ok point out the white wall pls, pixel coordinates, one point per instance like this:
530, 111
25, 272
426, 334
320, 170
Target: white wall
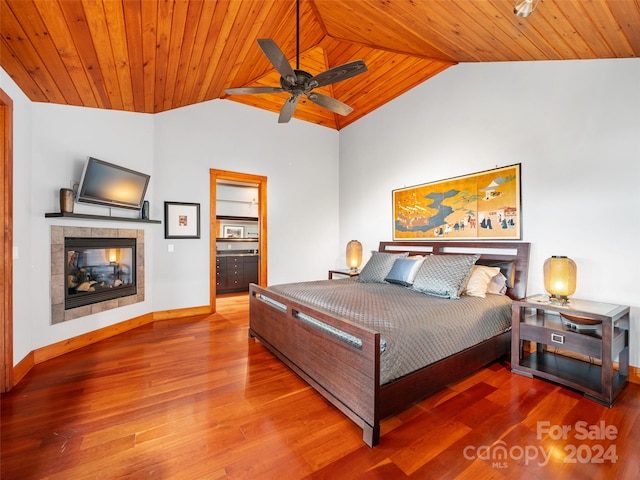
300, 161
62, 138
22, 263
51, 143
574, 127
177, 148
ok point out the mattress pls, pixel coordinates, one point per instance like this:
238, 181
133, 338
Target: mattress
416, 330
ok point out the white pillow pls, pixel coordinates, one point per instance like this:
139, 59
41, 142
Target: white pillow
479, 280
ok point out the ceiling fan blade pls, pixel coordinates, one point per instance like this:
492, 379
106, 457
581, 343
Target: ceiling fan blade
330, 103
337, 74
277, 59
247, 90
287, 109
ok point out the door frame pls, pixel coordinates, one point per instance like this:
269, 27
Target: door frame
6, 252
261, 181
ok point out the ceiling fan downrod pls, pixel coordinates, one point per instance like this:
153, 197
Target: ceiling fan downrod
297, 34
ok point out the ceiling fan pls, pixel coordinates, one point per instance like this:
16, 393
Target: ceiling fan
298, 82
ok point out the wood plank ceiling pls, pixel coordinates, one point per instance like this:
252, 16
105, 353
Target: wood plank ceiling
155, 55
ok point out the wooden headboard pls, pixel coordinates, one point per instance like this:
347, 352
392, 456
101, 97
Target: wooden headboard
517, 252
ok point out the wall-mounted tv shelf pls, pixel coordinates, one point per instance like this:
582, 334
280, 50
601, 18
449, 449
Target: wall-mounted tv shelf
82, 216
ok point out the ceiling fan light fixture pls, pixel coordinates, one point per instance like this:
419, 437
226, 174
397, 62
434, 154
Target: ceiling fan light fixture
297, 82
524, 8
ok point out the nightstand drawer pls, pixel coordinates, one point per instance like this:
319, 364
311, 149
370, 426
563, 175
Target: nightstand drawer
577, 342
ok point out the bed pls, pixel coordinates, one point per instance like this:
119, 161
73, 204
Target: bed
340, 335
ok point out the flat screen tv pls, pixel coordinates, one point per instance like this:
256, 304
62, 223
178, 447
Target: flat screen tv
107, 184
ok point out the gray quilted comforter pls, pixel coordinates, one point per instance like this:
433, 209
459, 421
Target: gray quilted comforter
416, 329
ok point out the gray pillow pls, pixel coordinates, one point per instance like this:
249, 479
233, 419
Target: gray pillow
378, 267
444, 275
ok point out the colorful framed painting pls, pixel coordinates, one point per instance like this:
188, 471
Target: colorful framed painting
482, 206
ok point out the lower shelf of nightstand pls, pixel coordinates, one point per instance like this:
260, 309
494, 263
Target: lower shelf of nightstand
582, 376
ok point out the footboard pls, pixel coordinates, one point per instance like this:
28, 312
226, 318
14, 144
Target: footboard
338, 358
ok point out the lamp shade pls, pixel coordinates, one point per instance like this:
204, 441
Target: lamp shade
112, 255
560, 278
354, 254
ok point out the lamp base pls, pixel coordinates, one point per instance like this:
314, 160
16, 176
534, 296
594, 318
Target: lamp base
558, 300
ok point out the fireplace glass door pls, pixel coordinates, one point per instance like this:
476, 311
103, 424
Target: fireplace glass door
99, 269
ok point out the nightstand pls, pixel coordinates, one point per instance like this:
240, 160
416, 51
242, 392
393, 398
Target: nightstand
573, 345
346, 273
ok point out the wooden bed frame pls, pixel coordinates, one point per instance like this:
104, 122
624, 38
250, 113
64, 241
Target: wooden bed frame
348, 376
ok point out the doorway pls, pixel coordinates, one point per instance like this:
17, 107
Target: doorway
260, 182
6, 251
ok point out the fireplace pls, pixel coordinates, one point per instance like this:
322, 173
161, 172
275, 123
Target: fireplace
98, 269
94, 270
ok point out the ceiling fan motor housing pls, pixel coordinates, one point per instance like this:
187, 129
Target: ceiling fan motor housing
301, 85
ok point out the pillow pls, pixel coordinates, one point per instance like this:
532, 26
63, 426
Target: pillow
378, 267
479, 280
507, 267
404, 271
444, 275
498, 285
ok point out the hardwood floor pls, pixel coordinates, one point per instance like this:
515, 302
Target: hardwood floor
196, 399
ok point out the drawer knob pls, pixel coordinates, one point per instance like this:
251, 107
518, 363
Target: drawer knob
557, 338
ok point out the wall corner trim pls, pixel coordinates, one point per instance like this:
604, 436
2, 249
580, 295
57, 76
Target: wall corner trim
60, 348
65, 346
56, 349
182, 313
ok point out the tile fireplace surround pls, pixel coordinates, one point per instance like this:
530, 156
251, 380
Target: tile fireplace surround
58, 281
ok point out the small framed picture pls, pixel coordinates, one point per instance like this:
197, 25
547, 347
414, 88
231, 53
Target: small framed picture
232, 231
181, 220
